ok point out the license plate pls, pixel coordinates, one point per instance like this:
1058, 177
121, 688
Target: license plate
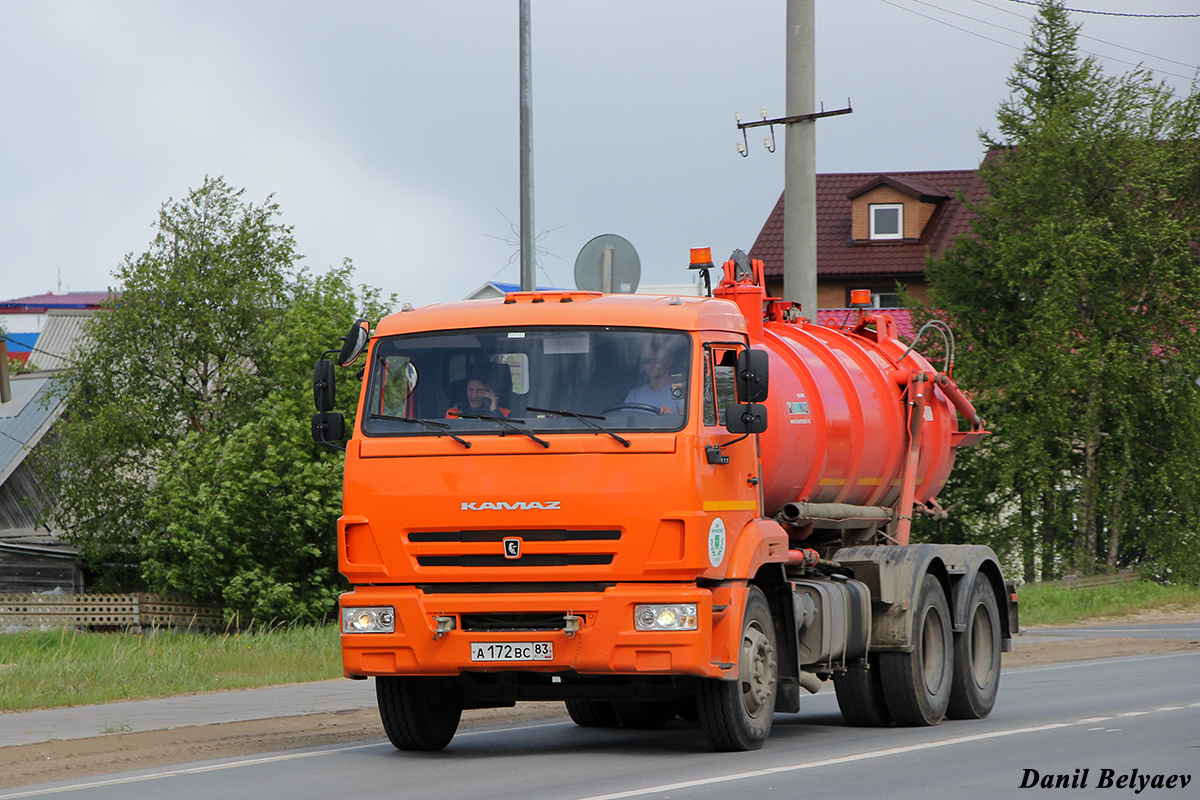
512, 651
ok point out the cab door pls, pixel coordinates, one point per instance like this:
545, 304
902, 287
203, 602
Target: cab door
731, 493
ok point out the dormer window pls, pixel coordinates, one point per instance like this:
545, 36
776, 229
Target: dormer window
887, 220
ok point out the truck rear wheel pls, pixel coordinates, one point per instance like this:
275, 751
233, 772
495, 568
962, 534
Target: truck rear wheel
419, 713
916, 685
977, 656
592, 713
737, 715
860, 696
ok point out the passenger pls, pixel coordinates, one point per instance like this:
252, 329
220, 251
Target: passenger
481, 399
658, 393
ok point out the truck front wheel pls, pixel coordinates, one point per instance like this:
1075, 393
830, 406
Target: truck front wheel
419, 713
977, 656
916, 685
736, 715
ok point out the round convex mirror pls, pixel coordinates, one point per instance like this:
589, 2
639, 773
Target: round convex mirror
354, 342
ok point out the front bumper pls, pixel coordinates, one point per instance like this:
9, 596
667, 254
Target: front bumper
606, 643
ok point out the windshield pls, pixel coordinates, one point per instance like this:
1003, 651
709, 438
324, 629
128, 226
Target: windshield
537, 380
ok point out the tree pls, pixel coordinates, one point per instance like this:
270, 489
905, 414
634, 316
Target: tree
184, 462
1078, 296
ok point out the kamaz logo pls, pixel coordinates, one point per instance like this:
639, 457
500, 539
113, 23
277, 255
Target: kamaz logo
523, 505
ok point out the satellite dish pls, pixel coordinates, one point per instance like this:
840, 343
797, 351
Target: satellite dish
608, 264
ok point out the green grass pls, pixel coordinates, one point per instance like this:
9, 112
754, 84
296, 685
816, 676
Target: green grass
1054, 604
61, 668
47, 670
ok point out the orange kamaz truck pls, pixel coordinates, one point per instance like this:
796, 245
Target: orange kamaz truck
653, 506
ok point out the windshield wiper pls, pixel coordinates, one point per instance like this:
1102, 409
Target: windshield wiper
511, 424
439, 427
586, 419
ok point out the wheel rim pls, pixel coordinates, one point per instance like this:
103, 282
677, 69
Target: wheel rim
756, 672
933, 644
982, 648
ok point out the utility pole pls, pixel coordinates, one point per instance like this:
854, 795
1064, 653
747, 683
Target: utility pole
528, 275
799, 158
800, 161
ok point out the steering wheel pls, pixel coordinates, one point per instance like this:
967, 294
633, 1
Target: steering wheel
644, 408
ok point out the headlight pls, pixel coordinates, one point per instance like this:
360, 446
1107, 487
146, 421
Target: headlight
369, 620
675, 617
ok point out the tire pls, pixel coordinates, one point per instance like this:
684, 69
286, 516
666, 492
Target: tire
419, 713
646, 715
736, 715
916, 685
977, 656
860, 696
592, 713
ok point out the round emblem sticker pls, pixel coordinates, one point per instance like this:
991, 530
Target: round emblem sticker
716, 542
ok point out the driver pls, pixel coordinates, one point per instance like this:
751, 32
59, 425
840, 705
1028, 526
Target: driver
658, 393
481, 399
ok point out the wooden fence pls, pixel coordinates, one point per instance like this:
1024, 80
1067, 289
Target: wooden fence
106, 612
1080, 582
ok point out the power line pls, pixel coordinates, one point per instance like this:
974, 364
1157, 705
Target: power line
1092, 38
949, 25
35, 350
1109, 13
1010, 30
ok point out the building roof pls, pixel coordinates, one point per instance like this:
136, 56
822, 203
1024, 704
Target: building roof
61, 332
917, 188
35, 404
25, 419
41, 303
839, 255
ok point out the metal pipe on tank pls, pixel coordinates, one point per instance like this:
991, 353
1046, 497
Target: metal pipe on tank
833, 512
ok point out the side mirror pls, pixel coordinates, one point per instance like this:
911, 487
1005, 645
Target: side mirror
354, 342
752, 372
746, 418
323, 385
328, 427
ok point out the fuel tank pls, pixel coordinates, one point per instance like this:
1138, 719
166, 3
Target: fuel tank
839, 415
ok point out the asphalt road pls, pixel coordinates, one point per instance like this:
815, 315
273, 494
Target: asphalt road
1119, 715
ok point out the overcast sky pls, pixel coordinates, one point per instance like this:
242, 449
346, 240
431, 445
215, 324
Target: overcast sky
387, 131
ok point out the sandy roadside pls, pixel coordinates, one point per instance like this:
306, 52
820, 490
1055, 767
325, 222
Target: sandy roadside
116, 752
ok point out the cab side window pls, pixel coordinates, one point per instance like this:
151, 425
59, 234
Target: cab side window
710, 398
720, 372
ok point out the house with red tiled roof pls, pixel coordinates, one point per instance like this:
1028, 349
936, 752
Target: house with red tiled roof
875, 230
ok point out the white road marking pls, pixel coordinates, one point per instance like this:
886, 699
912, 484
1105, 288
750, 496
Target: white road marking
249, 762
758, 773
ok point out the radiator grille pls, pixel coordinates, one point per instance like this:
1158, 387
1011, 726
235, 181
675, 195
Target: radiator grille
537, 547
539, 535
531, 560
